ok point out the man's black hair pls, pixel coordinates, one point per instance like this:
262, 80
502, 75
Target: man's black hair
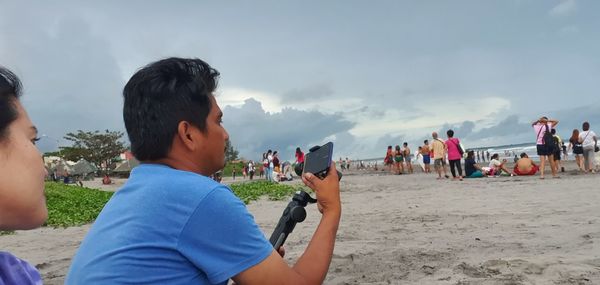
523, 155
450, 133
553, 131
585, 126
161, 95
425, 141
10, 90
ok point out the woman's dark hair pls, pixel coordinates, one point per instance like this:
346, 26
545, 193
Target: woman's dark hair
470, 154
450, 133
161, 95
495, 156
575, 136
389, 147
10, 90
397, 147
298, 150
586, 126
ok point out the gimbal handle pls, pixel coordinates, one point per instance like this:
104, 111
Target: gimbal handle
294, 213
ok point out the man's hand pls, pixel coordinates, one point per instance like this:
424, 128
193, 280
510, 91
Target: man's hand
328, 190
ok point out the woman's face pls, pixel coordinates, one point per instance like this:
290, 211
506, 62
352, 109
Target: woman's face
22, 172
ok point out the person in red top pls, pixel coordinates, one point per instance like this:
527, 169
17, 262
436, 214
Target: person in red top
299, 156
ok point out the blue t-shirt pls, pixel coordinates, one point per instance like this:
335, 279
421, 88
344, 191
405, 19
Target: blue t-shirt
167, 226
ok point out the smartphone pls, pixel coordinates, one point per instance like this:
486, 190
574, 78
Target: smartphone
318, 160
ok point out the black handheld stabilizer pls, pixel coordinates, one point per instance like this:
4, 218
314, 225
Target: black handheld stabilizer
294, 213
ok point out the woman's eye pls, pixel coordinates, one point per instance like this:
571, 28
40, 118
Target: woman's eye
33, 141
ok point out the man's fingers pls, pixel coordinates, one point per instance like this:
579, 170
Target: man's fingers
309, 180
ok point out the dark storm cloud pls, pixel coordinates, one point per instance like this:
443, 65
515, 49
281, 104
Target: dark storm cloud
253, 131
308, 93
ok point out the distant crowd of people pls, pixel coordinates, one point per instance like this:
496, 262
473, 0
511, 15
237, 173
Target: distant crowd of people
450, 152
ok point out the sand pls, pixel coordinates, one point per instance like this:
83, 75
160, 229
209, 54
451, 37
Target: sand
414, 229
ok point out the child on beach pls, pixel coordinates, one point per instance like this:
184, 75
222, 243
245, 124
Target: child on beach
22, 201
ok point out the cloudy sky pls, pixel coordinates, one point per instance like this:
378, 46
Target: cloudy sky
363, 74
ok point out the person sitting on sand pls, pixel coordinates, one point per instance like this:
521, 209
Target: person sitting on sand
22, 201
171, 224
472, 169
498, 166
525, 166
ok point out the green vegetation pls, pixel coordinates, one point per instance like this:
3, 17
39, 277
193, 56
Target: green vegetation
70, 205
73, 205
253, 190
5, 233
229, 168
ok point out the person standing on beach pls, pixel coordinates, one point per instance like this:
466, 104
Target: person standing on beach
398, 159
439, 155
454, 155
487, 154
589, 142
270, 166
544, 150
388, 161
557, 151
577, 149
478, 157
170, 224
251, 169
406, 153
22, 172
426, 152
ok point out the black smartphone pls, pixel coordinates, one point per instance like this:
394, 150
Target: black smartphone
318, 160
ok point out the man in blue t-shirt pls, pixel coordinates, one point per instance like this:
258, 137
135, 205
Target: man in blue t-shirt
170, 223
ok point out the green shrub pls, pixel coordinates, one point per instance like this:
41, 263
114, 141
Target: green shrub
253, 190
70, 205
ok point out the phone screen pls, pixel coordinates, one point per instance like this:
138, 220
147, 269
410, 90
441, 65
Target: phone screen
318, 162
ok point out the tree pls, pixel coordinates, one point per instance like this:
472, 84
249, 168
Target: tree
100, 149
230, 152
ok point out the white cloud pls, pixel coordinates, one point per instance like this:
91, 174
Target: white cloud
568, 30
564, 8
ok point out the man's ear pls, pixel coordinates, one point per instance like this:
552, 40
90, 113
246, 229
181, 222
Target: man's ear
186, 133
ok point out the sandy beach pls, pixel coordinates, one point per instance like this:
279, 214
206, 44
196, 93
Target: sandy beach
414, 229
